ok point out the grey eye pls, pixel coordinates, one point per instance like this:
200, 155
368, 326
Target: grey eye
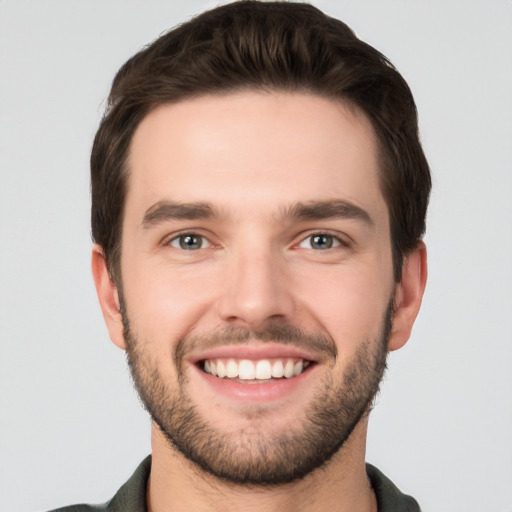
320, 242
188, 242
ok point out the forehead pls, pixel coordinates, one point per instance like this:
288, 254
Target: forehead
251, 150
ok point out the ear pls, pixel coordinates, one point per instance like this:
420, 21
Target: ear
408, 295
108, 297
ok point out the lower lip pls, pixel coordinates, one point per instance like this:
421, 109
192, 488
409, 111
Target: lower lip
252, 391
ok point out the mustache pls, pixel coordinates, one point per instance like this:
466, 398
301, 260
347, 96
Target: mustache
321, 344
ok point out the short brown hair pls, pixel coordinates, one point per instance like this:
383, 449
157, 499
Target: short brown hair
270, 46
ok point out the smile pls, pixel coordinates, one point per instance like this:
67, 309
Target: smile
262, 369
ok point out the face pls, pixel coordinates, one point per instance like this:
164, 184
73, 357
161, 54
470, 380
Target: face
257, 281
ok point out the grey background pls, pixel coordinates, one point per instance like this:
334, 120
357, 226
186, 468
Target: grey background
71, 428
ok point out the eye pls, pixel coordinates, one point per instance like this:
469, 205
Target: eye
320, 242
189, 242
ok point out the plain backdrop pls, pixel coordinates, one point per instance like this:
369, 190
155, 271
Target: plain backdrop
71, 427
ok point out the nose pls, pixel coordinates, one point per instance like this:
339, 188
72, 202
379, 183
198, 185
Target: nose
257, 289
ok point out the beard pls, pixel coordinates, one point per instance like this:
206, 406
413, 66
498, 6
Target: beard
253, 455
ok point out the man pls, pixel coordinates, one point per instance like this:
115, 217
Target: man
258, 200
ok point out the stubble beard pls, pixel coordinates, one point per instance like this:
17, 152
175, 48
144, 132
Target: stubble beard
252, 456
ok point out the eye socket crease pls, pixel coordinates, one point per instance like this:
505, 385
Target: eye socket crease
311, 211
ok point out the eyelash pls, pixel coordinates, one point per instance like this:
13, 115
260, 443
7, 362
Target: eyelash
333, 241
180, 241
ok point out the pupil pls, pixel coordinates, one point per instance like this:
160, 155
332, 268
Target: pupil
322, 242
189, 242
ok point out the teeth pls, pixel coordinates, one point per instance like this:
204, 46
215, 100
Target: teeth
221, 370
246, 370
289, 368
264, 369
231, 369
277, 369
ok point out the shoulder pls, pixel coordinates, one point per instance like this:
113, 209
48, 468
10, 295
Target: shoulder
389, 497
82, 508
131, 497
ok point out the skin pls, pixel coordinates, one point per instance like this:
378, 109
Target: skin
257, 266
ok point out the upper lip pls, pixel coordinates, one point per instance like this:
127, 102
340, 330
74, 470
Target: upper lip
254, 351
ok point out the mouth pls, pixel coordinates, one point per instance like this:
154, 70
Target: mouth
254, 373
257, 371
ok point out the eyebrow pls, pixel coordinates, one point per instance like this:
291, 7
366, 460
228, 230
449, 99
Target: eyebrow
329, 209
312, 210
168, 210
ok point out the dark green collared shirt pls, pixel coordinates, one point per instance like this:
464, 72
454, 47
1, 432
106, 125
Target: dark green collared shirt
131, 497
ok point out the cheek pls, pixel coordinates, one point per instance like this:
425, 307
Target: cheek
349, 305
165, 302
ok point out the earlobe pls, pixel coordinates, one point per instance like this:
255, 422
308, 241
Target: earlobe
408, 295
108, 297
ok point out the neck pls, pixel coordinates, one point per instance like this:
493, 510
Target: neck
341, 485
